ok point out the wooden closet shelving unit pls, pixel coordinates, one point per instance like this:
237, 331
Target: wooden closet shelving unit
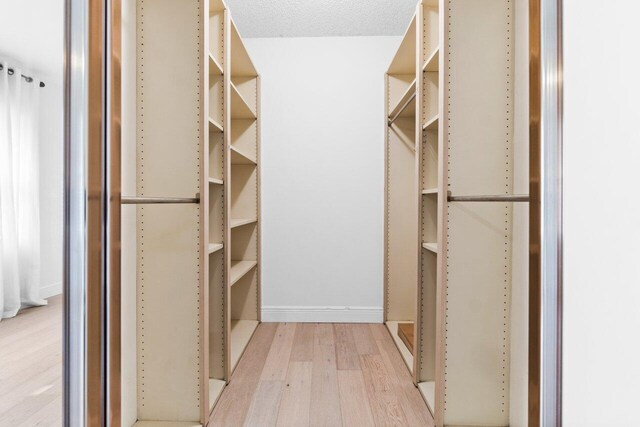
453, 258
198, 133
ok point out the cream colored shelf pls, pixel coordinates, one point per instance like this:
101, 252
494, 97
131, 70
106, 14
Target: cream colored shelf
214, 126
241, 64
215, 181
215, 69
432, 123
428, 392
215, 247
433, 62
433, 190
240, 108
433, 247
215, 390
240, 158
238, 222
241, 333
239, 269
404, 61
411, 108
392, 326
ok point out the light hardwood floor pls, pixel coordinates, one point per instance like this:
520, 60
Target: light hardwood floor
31, 367
321, 375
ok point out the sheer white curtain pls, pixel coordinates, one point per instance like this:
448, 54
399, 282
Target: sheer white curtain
19, 194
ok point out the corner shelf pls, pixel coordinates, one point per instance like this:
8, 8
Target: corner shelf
392, 326
433, 190
215, 390
215, 181
239, 222
241, 333
240, 108
433, 247
240, 158
428, 392
215, 247
432, 123
239, 269
214, 66
433, 62
406, 97
214, 126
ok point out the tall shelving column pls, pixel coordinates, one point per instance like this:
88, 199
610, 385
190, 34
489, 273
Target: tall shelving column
401, 222
242, 145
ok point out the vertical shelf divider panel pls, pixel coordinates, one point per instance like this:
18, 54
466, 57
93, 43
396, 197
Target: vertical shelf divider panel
171, 136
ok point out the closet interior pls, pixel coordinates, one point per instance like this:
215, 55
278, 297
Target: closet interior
198, 256
449, 117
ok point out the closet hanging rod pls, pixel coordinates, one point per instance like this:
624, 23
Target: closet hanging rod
404, 107
496, 198
159, 200
28, 79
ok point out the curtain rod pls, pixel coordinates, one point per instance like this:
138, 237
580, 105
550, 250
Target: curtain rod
28, 79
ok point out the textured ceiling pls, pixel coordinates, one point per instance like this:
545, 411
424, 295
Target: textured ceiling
321, 18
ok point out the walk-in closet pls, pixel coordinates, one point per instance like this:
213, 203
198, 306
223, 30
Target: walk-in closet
324, 223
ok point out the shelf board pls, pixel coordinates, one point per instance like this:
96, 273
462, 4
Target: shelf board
241, 64
240, 158
239, 222
433, 62
239, 269
240, 108
241, 333
214, 126
392, 326
166, 424
215, 390
411, 109
215, 181
214, 66
433, 247
432, 123
433, 190
428, 392
404, 61
215, 247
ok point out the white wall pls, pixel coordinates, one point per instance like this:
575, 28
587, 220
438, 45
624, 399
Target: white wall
31, 36
601, 212
322, 176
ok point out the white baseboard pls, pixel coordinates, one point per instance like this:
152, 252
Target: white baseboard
51, 290
322, 314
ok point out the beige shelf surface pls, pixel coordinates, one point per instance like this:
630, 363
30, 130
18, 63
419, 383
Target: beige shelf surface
404, 62
433, 190
239, 222
433, 247
240, 109
241, 333
214, 66
392, 326
410, 110
241, 64
433, 62
215, 247
216, 181
428, 392
214, 126
239, 158
215, 390
239, 269
432, 123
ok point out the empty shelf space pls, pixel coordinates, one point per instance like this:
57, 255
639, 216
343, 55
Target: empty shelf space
215, 390
241, 333
433, 190
238, 222
433, 247
240, 158
433, 61
401, 109
428, 392
214, 126
392, 326
239, 269
215, 69
215, 181
215, 247
240, 109
431, 124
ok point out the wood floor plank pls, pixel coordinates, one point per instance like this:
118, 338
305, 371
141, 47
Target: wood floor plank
277, 363
324, 335
296, 398
263, 411
354, 403
380, 383
347, 357
325, 404
378, 331
232, 407
303, 342
365, 344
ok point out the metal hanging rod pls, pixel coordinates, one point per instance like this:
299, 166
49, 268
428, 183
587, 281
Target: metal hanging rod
28, 79
159, 200
404, 107
496, 198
